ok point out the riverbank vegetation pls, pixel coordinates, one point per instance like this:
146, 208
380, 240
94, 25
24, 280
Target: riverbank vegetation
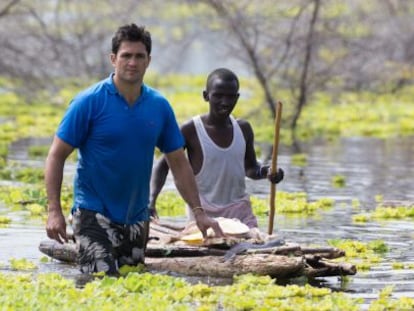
334, 81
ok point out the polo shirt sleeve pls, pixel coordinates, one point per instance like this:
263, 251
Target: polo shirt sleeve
171, 138
74, 126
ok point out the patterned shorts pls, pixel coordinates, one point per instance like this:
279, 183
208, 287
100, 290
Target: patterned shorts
106, 246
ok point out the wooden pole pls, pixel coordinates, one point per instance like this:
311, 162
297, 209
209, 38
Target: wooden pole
274, 167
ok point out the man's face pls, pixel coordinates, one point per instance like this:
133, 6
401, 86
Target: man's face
222, 96
130, 62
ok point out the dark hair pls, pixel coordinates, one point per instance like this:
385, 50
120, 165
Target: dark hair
222, 73
132, 33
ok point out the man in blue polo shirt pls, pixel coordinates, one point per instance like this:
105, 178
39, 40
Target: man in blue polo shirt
116, 125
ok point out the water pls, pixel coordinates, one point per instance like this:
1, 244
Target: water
371, 167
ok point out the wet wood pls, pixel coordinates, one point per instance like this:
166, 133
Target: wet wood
215, 266
282, 262
182, 251
319, 267
297, 250
168, 253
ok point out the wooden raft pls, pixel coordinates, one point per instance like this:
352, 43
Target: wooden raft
287, 261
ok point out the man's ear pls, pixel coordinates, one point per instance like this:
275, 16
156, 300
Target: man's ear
205, 95
149, 60
113, 58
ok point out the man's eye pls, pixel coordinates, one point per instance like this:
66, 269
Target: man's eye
221, 95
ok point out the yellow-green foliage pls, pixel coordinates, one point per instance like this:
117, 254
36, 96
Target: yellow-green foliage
338, 181
4, 220
169, 203
29, 175
382, 212
290, 203
38, 151
162, 292
398, 265
362, 114
33, 198
362, 254
36, 209
385, 301
398, 212
299, 159
346, 114
21, 264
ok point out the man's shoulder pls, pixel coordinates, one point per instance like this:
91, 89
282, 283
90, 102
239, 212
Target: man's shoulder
188, 125
188, 129
243, 123
96, 89
154, 93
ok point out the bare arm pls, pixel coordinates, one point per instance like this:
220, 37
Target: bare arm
253, 168
187, 187
159, 176
56, 225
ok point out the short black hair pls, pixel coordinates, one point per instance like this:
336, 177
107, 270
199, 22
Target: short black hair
224, 74
134, 33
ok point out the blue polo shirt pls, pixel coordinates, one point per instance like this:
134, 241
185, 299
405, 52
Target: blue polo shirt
116, 145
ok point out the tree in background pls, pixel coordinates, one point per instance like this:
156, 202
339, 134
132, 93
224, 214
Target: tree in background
318, 45
293, 48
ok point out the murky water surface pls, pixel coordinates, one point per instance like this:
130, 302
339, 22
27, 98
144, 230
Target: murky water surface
370, 166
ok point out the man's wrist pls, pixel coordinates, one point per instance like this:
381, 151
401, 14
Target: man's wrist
54, 208
260, 173
197, 210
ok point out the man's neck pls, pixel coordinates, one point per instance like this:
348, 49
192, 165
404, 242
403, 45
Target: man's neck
217, 123
130, 91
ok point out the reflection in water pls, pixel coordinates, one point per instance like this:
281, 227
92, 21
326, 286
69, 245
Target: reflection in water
371, 167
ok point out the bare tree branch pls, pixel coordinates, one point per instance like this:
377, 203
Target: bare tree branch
4, 11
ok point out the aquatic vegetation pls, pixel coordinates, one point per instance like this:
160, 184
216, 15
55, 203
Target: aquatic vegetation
363, 254
398, 212
398, 265
351, 114
325, 117
299, 159
21, 264
126, 269
170, 203
162, 292
4, 220
36, 209
295, 203
383, 212
338, 181
33, 198
29, 175
385, 301
355, 203
38, 151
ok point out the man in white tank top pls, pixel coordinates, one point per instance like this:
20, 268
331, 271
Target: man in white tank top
221, 152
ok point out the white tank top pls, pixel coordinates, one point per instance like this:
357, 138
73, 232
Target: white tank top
215, 187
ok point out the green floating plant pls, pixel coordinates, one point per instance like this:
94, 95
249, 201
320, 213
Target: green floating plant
4, 220
338, 181
33, 198
383, 212
299, 159
162, 292
363, 255
170, 203
295, 203
21, 264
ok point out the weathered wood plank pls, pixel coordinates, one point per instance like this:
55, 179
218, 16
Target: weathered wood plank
215, 266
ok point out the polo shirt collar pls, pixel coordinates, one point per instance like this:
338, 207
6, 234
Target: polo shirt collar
110, 85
